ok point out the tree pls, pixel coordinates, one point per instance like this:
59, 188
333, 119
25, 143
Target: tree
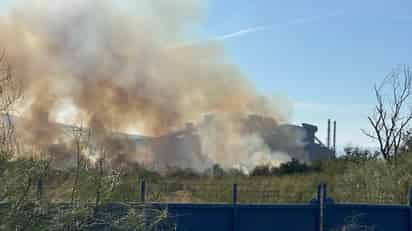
293, 166
10, 93
358, 155
10, 88
407, 141
261, 170
392, 112
80, 138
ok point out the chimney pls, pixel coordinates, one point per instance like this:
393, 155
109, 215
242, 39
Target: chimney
334, 136
328, 134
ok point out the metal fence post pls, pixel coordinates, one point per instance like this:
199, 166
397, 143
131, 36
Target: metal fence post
39, 189
324, 193
143, 200
323, 201
234, 208
142, 190
318, 193
410, 208
234, 194
319, 204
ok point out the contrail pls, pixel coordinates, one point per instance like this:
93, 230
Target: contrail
250, 30
241, 32
298, 21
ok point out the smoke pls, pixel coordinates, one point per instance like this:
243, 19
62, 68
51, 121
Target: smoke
113, 64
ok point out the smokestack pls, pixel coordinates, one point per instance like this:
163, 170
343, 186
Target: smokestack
334, 136
328, 134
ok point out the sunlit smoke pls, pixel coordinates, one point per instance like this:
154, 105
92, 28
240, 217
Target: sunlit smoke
112, 65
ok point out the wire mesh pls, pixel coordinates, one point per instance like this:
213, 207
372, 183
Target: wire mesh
129, 191
183, 192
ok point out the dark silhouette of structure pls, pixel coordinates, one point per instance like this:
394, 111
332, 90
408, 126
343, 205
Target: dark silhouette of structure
184, 148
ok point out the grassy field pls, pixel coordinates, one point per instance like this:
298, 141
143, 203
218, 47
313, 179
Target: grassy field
369, 181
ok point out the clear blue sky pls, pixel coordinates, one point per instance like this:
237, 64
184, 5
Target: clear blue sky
324, 55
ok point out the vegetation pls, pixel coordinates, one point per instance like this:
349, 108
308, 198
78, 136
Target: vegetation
291, 167
35, 195
392, 114
357, 176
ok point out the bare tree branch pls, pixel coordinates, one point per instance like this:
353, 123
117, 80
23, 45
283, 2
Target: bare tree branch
392, 114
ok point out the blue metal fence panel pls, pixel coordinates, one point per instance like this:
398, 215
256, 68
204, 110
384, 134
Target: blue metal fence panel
278, 217
226, 217
366, 217
198, 217
290, 217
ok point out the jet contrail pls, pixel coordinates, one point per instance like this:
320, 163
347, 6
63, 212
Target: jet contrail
250, 30
298, 21
241, 32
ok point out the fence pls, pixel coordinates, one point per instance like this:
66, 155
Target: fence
232, 214
320, 214
221, 192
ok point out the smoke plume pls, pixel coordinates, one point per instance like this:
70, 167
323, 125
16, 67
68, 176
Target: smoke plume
117, 66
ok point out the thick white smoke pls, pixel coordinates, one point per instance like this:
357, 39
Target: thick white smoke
115, 65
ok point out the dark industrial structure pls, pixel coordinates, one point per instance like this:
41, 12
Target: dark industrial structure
184, 147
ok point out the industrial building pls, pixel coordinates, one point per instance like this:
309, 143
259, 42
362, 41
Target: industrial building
183, 148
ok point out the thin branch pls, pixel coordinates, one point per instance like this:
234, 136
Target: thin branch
390, 120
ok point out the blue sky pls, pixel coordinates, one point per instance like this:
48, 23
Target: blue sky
323, 55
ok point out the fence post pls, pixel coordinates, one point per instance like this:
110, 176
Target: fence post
142, 190
234, 208
319, 193
317, 202
323, 201
143, 200
325, 193
39, 190
410, 208
234, 194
